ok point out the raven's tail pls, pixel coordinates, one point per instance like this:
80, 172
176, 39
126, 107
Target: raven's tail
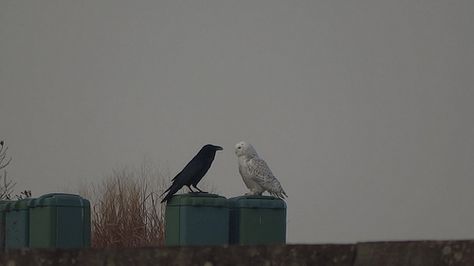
166, 191
172, 184
173, 189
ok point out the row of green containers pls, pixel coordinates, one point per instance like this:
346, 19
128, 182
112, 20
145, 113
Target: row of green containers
54, 220
209, 219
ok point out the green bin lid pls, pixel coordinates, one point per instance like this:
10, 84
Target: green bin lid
59, 200
3, 204
254, 201
18, 205
198, 199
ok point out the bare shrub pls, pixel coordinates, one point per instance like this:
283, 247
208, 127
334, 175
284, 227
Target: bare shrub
7, 186
126, 209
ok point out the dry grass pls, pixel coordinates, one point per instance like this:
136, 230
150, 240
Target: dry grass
126, 209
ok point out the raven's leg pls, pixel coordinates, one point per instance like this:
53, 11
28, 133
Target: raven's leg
192, 191
199, 189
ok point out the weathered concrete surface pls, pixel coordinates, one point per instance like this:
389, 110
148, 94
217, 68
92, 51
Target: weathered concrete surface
270, 255
415, 253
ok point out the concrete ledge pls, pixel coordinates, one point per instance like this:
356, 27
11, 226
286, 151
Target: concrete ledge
415, 253
204, 256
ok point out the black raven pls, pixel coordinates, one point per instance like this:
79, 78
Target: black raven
193, 172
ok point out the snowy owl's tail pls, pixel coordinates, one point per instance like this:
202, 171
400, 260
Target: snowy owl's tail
279, 194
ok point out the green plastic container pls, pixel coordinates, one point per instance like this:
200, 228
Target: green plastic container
256, 220
3, 207
59, 220
197, 219
17, 224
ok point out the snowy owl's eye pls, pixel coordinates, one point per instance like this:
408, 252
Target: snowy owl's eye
239, 148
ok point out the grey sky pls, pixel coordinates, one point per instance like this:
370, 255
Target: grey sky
363, 109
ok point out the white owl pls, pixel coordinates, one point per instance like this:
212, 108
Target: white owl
255, 172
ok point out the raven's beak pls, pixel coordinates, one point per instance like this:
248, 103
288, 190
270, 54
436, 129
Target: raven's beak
219, 148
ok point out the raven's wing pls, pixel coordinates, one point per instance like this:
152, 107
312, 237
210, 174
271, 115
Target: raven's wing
206, 164
263, 176
185, 177
193, 169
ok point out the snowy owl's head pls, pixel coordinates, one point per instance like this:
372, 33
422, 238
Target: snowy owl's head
244, 149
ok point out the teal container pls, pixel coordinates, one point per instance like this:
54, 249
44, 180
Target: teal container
17, 224
3, 207
197, 219
60, 220
256, 220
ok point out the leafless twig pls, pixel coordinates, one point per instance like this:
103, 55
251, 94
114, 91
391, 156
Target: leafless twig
4, 161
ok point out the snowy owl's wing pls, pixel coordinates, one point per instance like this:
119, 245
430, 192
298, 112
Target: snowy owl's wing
259, 169
262, 174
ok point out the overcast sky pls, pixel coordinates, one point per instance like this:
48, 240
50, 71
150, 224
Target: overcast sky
364, 110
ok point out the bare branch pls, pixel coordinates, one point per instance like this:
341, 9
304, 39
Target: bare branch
6, 188
5, 164
3, 155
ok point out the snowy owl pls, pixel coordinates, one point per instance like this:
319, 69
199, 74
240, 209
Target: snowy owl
255, 172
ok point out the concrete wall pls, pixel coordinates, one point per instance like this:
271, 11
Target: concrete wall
423, 253
431, 253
